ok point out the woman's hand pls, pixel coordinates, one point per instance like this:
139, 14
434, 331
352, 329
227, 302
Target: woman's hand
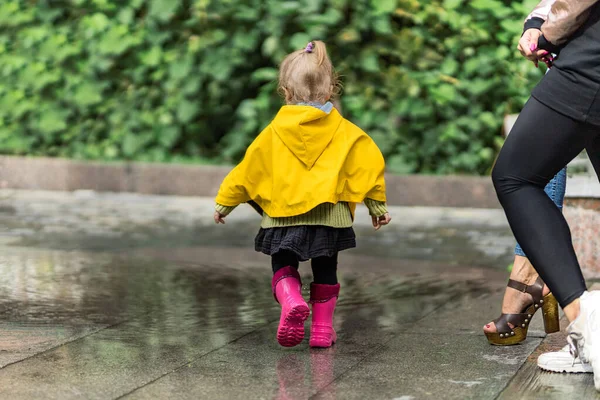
219, 218
528, 46
378, 222
529, 42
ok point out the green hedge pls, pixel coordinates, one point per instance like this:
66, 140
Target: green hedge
183, 80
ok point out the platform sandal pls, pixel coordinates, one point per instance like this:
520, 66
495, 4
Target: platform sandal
505, 335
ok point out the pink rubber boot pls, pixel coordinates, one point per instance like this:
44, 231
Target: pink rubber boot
323, 299
287, 288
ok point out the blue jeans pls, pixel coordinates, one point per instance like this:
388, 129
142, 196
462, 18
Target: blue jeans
556, 191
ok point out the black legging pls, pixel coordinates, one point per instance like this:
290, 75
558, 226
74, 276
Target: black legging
540, 144
324, 268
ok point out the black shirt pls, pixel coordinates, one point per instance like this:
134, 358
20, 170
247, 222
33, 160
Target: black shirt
572, 86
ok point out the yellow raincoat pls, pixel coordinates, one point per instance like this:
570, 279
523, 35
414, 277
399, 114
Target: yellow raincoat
304, 158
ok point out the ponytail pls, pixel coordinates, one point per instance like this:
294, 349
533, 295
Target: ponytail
307, 75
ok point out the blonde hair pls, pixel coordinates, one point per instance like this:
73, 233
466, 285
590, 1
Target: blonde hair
307, 75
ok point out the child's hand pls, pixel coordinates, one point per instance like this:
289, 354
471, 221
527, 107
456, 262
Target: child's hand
378, 222
219, 218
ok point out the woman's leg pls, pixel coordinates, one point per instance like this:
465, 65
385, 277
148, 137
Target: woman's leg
522, 270
541, 143
593, 151
514, 300
555, 189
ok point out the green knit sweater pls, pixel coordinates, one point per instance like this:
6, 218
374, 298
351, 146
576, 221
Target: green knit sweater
326, 214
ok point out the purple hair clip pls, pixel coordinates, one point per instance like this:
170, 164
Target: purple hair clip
309, 47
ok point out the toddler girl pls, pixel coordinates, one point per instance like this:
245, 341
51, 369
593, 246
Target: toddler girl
305, 173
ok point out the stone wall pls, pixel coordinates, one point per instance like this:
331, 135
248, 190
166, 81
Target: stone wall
183, 180
583, 216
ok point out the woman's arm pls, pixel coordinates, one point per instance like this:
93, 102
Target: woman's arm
532, 32
541, 11
563, 18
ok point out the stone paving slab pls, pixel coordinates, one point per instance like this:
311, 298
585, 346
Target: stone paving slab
256, 367
113, 361
19, 341
532, 384
422, 366
365, 364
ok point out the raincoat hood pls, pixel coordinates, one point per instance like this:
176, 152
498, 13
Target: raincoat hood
307, 156
306, 131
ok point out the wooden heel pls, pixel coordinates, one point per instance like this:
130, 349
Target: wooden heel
512, 328
550, 314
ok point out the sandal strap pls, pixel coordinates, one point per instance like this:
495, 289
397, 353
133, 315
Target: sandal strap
514, 319
536, 290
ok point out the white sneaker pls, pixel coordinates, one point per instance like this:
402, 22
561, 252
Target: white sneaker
584, 333
563, 361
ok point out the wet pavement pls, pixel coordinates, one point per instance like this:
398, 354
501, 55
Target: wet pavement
141, 297
532, 383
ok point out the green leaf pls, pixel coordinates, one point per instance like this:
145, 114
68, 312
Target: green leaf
399, 165
133, 144
369, 62
126, 16
163, 10
490, 120
168, 136
87, 94
450, 66
52, 121
444, 93
265, 74
180, 69
116, 41
186, 111
452, 4
97, 22
152, 57
270, 45
299, 40
384, 6
382, 26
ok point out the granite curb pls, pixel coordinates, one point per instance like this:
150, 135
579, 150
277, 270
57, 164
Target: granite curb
192, 180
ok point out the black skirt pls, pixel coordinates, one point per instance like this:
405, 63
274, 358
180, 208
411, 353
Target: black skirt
307, 241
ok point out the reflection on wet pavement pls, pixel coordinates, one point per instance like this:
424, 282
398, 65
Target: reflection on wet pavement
190, 314
134, 318
109, 222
